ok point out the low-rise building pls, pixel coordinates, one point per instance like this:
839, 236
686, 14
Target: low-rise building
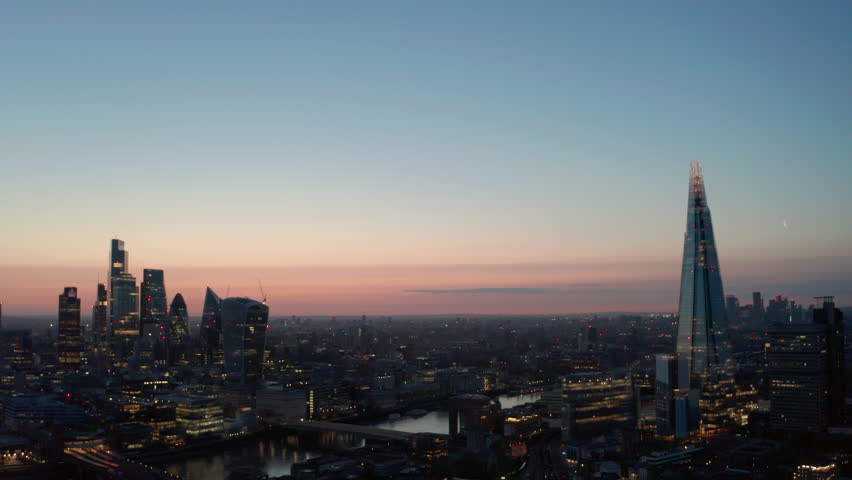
198, 415
33, 411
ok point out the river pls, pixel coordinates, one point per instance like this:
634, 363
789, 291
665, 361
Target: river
275, 456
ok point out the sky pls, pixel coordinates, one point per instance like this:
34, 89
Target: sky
391, 157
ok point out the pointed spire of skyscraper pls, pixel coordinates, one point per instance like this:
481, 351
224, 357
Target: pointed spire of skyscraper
702, 345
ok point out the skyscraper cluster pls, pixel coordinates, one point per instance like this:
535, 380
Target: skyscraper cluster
135, 328
162, 387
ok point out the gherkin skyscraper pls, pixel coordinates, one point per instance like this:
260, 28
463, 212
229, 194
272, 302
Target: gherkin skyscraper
705, 367
178, 331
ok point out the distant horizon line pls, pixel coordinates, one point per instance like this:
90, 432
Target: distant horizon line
409, 315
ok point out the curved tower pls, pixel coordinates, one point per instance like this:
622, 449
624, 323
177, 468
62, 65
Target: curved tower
211, 328
178, 331
702, 345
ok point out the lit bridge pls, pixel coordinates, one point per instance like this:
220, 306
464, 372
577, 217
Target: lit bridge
373, 433
102, 464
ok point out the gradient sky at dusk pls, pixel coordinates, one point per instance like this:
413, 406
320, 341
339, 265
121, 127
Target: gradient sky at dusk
432, 157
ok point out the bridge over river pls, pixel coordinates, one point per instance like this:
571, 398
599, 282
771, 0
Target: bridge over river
364, 431
97, 463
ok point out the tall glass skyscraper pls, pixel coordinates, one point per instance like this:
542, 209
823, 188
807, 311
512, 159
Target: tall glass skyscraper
153, 308
118, 258
244, 336
100, 322
70, 342
178, 331
123, 304
702, 345
211, 328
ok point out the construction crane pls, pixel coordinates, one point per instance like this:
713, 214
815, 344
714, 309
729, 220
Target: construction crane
262, 294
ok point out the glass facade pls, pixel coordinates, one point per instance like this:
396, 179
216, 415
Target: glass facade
665, 389
702, 329
100, 323
211, 328
152, 311
123, 304
177, 336
118, 258
70, 341
244, 323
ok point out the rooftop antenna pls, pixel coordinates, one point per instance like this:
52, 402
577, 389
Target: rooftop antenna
228, 291
262, 294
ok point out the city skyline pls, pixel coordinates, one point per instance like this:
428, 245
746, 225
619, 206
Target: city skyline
421, 241
304, 294
430, 161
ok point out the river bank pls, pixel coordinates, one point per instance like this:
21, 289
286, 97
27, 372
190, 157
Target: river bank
274, 453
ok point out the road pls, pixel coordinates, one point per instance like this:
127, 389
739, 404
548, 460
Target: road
545, 462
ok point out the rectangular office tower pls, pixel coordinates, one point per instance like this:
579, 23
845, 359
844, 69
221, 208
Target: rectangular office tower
153, 304
100, 318
832, 319
796, 362
244, 336
69, 345
806, 368
123, 304
702, 344
670, 402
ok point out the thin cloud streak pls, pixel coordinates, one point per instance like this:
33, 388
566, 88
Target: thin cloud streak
518, 291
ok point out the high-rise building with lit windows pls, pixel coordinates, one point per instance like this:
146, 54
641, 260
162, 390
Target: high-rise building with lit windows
178, 331
670, 404
702, 344
100, 318
244, 323
153, 307
69, 343
806, 367
123, 304
211, 328
101, 350
796, 363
